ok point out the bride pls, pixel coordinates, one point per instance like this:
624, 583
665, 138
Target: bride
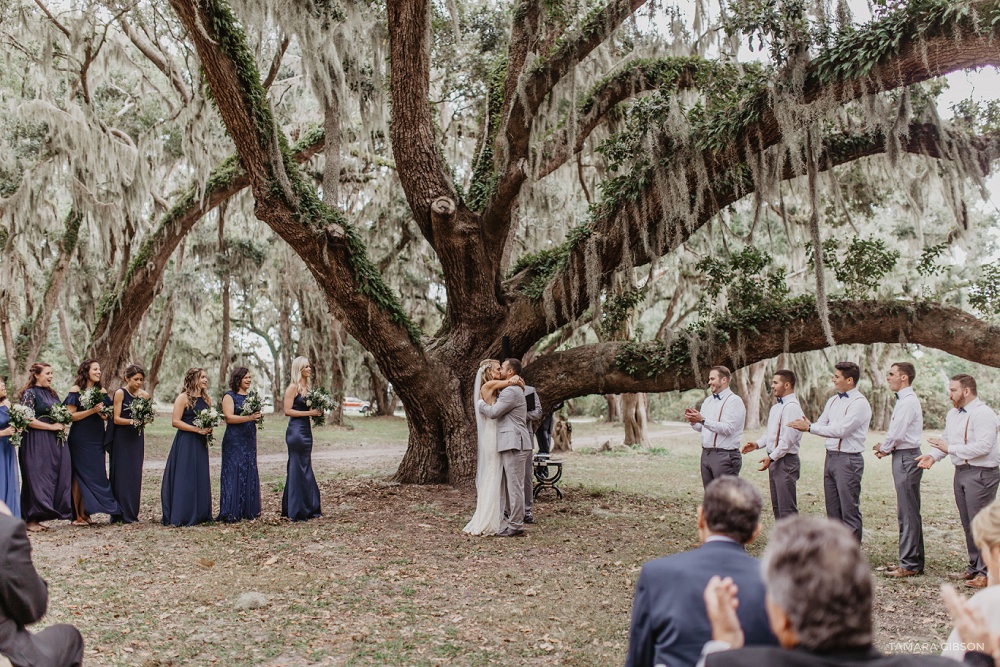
489, 472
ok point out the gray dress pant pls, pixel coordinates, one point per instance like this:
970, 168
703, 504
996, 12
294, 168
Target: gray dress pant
783, 475
906, 476
975, 488
842, 488
718, 462
529, 483
512, 486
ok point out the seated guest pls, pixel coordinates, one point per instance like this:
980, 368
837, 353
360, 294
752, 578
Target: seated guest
23, 599
669, 623
986, 532
819, 604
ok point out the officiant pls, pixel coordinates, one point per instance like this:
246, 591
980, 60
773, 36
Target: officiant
534, 420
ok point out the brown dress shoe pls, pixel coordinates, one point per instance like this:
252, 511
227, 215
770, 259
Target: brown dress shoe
978, 581
890, 568
960, 576
899, 573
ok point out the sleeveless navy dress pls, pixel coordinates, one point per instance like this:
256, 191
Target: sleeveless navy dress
46, 471
10, 489
300, 501
186, 494
86, 450
239, 490
128, 449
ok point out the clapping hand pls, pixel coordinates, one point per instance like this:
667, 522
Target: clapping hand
925, 462
749, 447
800, 424
969, 623
939, 444
693, 416
879, 454
720, 604
765, 463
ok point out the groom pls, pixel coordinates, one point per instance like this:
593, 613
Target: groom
513, 443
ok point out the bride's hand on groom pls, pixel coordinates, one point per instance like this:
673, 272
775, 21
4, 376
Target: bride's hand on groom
515, 380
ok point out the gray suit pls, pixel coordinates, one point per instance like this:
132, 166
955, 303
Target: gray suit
23, 599
534, 416
514, 444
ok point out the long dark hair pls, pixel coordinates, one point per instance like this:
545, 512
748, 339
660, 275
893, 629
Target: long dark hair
83, 374
133, 369
33, 373
236, 378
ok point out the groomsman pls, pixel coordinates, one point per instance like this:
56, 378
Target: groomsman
902, 442
844, 424
782, 445
720, 422
970, 439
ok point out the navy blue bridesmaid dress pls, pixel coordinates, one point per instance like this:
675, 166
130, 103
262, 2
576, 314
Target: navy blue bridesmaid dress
10, 489
90, 467
300, 501
239, 491
186, 494
128, 448
46, 471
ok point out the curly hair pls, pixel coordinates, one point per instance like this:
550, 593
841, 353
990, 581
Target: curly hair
191, 387
83, 374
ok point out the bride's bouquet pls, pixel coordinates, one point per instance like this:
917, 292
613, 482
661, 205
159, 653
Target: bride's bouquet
95, 396
207, 418
142, 413
60, 414
322, 400
251, 404
20, 417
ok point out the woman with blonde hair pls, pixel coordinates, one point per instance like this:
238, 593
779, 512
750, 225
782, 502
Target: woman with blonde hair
489, 471
186, 494
300, 501
986, 533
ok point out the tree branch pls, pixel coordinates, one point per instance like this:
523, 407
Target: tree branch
600, 368
272, 73
158, 59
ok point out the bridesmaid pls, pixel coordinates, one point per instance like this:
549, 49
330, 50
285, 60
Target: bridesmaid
239, 496
128, 448
186, 494
91, 488
10, 488
300, 501
46, 471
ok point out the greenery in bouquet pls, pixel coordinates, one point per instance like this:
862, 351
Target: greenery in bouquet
20, 417
252, 404
60, 414
208, 418
322, 400
95, 396
142, 413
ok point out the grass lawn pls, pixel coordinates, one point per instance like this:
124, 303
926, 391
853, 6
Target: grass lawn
387, 577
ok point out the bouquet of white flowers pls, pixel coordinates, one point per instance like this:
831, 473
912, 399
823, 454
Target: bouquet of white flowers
60, 414
322, 400
207, 418
20, 417
252, 404
95, 396
142, 413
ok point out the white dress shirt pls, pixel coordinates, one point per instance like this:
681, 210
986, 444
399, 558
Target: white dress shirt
724, 415
971, 434
779, 439
906, 425
844, 422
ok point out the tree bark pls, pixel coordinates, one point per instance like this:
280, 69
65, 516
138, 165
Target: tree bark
876, 360
614, 413
750, 381
226, 322
635, 408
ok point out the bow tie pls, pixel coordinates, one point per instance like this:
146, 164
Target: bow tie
717, 396
780, 401
962, 410
842, 394
897, 396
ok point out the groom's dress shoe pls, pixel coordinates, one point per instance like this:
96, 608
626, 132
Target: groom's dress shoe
510, 532
529, 519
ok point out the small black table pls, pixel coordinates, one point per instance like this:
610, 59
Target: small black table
545, 478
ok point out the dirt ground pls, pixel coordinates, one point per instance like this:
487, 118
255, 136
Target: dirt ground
387, 577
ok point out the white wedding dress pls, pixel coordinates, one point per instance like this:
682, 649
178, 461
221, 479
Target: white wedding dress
486, 520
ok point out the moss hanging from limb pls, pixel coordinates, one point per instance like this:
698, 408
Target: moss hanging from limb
817, 241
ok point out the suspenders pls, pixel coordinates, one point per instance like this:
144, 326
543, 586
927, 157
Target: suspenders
966, 437
721, 410
777, 438
845, 414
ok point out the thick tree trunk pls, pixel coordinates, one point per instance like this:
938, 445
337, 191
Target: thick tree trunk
338, 339
226, 324
876, 362
750, 382
160, 348
614, 413
635, 408
379, 388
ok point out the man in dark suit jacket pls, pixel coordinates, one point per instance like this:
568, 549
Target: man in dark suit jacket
669, 623
23, 599
819, 605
